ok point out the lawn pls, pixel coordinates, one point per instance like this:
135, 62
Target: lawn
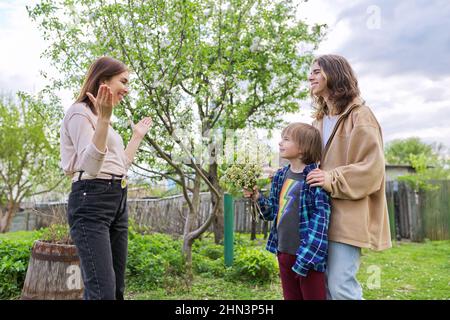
406, 271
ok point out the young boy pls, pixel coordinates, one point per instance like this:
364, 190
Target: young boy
300, 215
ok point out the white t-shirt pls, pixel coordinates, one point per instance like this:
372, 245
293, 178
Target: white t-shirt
328, 125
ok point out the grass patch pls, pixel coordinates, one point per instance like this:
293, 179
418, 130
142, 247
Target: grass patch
21, 235
413, 271
407, 271
207, 288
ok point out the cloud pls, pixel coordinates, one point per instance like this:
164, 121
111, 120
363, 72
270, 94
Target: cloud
22, 45
403, 68
411, 38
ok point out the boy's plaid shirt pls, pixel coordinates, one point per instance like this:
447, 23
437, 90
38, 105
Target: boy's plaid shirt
314, 212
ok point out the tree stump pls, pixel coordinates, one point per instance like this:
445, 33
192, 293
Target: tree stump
53, 273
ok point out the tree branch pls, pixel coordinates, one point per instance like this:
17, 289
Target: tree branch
52, 188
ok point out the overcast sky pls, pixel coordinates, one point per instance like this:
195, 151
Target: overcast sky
399, 50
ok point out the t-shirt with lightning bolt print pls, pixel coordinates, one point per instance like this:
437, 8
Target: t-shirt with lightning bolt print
288, 218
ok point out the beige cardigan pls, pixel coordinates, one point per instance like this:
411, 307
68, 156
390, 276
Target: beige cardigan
353, 161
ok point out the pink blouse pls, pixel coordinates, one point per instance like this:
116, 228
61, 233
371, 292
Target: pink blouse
78, 153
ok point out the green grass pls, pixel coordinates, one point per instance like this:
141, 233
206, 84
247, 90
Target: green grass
20, 235
206, 288
408, 271
413, 271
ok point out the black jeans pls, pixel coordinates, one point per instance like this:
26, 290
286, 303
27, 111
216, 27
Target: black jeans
98, 220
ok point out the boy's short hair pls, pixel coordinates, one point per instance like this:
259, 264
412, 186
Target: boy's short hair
308, 139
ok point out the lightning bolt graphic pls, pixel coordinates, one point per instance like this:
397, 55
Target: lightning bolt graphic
287, 198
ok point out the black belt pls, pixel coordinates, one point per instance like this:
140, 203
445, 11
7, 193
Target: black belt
114, 176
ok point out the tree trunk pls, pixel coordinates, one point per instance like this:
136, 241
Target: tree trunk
189, 225
187, 254
7, 216
265, 228
253, 233
218, 221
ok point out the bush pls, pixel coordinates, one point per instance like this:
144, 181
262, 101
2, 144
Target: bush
152, 258
154, 261
254, 264
15, 255
208, 267
212, 251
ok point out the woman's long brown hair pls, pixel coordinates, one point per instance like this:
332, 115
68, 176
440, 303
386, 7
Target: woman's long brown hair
341, 83
102, 69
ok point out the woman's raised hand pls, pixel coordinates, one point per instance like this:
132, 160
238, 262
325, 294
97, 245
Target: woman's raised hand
141, 128
103, 102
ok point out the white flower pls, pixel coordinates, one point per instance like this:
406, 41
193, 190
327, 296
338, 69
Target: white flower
156, 83
178, 15
225, 6
207, 12
162, 29
255, 44
165, 43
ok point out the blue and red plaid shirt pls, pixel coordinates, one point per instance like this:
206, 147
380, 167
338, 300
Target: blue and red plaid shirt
314, 212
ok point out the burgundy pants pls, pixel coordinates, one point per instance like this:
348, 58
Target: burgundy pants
296, 287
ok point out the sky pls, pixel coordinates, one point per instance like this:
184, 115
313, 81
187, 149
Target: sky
398, 49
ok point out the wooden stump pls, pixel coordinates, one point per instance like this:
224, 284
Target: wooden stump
53, 273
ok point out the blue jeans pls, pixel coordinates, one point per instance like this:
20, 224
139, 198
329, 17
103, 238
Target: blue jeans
342, 267
98, 220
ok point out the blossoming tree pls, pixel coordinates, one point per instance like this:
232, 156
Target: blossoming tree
199, 67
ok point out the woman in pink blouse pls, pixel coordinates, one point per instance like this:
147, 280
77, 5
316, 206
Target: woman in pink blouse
94, 156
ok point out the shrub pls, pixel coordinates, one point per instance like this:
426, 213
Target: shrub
212, 251
15, 255
254, 264
208, 267
152, 258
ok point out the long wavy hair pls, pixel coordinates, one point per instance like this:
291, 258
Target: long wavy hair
102, 69
341, 83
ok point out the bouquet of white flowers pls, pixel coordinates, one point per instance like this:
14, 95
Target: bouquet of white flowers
243, 176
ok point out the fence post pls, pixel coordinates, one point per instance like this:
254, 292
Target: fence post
392, 206
228, 226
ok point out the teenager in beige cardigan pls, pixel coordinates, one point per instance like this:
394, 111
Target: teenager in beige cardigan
352, 171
